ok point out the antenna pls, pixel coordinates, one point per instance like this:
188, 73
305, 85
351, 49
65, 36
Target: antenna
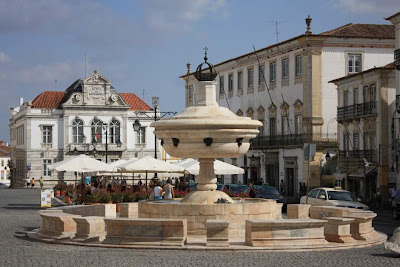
276, 29
55, 84
85, 65
144, 91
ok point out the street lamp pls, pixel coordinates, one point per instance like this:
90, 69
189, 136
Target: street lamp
327, 157
136, 125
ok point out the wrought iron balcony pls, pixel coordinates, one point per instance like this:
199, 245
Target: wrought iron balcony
370, 155
99, 147
357, 111
294, 140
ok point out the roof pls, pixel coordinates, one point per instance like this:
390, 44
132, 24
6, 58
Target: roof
381, 31
392, 16
387, 67
54, 99
5, 151
351, 30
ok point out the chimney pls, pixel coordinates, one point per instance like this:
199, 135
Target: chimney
21, 101
308, 22
11, 112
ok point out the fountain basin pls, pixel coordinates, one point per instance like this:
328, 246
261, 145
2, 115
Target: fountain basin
236, 213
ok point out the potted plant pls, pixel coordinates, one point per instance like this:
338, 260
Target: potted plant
94, 197
61, 187
105, 198
129, 197
56, 191
117, 198
69, 191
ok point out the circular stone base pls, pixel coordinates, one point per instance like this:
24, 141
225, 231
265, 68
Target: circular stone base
235, 213
206, 197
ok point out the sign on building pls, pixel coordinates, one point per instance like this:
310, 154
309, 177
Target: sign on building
309, 150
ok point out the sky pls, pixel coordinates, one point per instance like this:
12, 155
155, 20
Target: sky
143, 46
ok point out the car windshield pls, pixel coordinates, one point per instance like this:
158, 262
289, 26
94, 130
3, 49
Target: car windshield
238, 188
268, 190
341, 195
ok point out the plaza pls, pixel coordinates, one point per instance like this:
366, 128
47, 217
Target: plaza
19, 214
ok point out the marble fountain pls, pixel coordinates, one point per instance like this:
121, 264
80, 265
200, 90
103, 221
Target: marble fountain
200, 221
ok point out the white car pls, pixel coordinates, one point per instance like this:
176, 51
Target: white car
324, 196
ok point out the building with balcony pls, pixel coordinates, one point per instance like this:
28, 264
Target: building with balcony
89, 117
285, 86
5, 152
366, 116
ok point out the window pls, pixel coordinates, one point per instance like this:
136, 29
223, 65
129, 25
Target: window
261, 129
355, 96
190, 93
261, 74
373, 95
356, 141
141, 136
346, 142
240, 80
221, 85
299, 65
366, 95
2, 163
298, 126
47, 134
230, 83
250, 78
345, 98
354, 63
115, 131
77, 131
46, 171
285, 68
97, 131
272, 72
313, 193
285, 126
272, 127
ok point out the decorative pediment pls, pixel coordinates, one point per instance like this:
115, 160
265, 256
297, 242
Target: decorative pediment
250, 112
239, 112
272, 110
261, 112
96, 79
298, 106
284, 106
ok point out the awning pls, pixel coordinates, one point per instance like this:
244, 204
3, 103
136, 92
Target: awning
359, 173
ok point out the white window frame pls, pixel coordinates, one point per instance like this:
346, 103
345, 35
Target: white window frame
250, 77
240, 80
141, 136
272, 71
230, 82
351, 60
78, 131
261, 74
299, 62
221, 85
46, 171
285, 68
47, 134
97, 127
114, 131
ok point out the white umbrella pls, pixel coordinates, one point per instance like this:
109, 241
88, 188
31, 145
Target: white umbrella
81, 163
192, 166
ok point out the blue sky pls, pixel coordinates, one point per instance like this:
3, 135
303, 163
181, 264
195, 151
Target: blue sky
145, 44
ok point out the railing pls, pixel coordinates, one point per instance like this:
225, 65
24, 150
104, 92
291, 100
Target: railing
88, 147
358, 110
398, 103
370, 155
294, 140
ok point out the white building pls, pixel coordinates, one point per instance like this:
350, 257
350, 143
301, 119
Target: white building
5, 152
286, 87
88, 117
366, 113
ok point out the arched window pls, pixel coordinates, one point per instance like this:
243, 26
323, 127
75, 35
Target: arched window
115, 131
97, 131
77, 131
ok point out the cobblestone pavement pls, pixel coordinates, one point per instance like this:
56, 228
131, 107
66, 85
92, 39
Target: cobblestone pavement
18, 214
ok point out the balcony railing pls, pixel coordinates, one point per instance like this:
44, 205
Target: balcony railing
398, 103
370, 155
88, 147
294, 140
357, 111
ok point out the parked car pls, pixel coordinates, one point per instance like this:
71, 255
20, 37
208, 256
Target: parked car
270, 192
219, 186
235, 188
324, 196
396, 207
3, 186
192, 187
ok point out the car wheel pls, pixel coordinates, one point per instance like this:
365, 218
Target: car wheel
394, 214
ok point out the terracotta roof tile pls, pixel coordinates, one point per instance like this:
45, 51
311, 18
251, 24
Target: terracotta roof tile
48, 100
135, 102
363, 31
54, 99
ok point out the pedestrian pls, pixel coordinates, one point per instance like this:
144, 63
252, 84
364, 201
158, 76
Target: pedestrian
32, 182
169, 190
28, 182
282, 187
158, 191
41, 182
252, 192
140, 182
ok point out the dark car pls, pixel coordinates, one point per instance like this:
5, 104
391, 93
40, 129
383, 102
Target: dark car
220, 186
192, 187
235, 188
396, 207
270, 192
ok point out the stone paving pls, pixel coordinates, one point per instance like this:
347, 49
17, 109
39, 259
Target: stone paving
18, 214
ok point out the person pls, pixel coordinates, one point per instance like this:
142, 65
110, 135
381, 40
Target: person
169, 190
252, 192
394, 192
282, 186
158, 191
41, 182
87, 180
32, 182
28, 182
140, 182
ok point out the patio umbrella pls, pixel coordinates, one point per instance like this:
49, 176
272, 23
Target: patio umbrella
149, 165
81, 163
192, 166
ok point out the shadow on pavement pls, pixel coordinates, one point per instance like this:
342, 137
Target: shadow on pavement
387, 255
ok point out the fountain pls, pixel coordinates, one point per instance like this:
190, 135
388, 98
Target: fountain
207, 131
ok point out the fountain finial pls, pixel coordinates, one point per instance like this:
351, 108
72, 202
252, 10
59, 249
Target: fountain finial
208, 73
